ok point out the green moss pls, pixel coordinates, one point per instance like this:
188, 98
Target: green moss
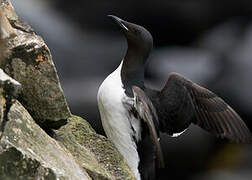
94, 152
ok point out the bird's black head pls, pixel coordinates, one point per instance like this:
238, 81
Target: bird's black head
138, 38
140, 44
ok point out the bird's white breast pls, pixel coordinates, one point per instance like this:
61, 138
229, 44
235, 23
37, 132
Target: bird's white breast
116, 120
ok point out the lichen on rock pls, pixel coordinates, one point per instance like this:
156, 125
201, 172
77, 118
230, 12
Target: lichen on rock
29, 61
15, 165
33, 151
97, 155
26, 151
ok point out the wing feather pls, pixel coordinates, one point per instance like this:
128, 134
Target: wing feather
211, 112
147, 112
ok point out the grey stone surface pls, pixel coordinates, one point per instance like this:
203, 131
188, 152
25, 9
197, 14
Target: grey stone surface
29, 61
27, 152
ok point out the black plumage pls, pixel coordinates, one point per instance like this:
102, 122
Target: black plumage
182, 102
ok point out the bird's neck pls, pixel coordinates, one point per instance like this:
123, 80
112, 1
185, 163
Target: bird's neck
132, 72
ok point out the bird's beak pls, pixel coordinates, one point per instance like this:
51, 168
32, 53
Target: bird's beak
119, 22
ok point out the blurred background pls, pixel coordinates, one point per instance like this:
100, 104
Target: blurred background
209, 41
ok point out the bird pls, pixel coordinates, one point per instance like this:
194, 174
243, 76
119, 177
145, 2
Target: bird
133, 115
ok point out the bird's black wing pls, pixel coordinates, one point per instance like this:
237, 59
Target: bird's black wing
210, 111
147, 112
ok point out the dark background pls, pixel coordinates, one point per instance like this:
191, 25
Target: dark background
209, 41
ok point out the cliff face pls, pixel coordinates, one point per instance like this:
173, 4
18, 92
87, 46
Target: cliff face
39, 137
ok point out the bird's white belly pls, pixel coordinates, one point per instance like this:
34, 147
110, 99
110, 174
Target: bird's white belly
116, 119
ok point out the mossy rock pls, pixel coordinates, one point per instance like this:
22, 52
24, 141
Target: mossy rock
95, 153
14, 165
26, 151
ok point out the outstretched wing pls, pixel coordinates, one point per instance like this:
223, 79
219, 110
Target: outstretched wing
147, 112
212, 113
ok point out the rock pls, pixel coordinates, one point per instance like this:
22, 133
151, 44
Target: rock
9, 88
15, 165
95, 153
2, 104
27, 152
9, 84
7, 7
29, 61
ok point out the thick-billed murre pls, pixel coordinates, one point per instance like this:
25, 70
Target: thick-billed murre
133, 115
